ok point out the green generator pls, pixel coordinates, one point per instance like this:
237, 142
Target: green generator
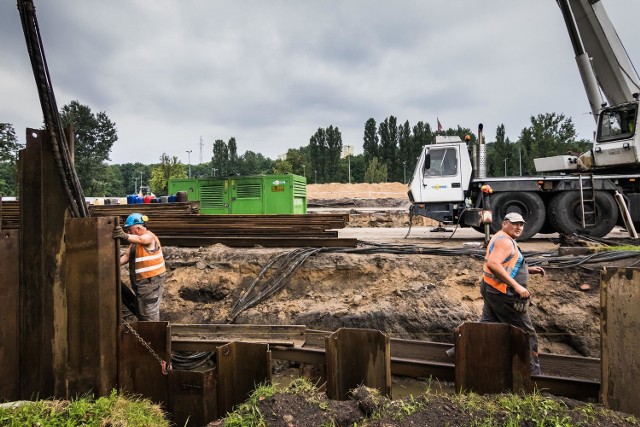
246, 195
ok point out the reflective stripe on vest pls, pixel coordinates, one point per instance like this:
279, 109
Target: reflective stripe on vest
149, 263
508, 264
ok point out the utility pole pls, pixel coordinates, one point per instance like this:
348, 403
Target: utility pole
505, 166
201, 145
304, 170
404, 171
349, 161
520, 159
315, 174
189, 153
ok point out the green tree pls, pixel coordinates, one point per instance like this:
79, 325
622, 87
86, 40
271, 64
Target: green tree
9, 147
251, 163
334, 150
220, 159
296, 159
500, 153
548, 135
388, 154
422, 135
232, 148
282, 167
169, 167
94, 135
405, 150
318, 149
371, 141
375, 172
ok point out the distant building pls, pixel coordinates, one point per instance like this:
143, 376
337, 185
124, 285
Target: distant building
347, 150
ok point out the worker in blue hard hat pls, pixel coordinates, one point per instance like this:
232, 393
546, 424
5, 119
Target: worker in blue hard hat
146, 265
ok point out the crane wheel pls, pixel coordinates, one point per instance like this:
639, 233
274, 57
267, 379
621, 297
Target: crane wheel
527, 204
565, 214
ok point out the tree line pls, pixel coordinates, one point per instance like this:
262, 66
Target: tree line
390, 152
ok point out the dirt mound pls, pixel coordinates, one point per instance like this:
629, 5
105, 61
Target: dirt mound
393, 190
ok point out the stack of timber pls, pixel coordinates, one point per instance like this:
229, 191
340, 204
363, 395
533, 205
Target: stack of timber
179, 224
9, 215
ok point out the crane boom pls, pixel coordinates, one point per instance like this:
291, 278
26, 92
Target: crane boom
614, 71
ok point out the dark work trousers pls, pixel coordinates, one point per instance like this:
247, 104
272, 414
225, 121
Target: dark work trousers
498, 308
149, 296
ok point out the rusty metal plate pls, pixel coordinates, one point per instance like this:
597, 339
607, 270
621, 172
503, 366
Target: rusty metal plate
92, 294
193, 397
138, 371
357, 357
492, 358
240, 367
9, 320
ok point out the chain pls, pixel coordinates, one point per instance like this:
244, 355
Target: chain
163, 364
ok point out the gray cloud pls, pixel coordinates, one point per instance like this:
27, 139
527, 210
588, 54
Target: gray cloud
271, 73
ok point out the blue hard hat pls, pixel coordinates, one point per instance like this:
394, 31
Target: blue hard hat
135, 219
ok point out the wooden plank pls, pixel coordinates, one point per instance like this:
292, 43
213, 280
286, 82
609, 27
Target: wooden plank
9, 318
357, 357
492, 358
294, 334
138, 371
620, 341
284, 242
92, 297
241, 366
193, 397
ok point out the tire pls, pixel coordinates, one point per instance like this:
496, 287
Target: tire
565, 214
527, 204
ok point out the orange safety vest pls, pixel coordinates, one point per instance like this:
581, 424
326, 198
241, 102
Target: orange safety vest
149, 263
508, 263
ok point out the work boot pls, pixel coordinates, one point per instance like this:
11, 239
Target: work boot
451, 353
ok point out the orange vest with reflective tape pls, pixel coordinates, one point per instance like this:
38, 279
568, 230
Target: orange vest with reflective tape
149, 262
508, 264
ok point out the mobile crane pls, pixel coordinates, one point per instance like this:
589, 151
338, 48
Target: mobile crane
586, 194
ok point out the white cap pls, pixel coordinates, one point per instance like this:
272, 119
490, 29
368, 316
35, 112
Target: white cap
514, 217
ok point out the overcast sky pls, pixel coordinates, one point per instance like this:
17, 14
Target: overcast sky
270, 73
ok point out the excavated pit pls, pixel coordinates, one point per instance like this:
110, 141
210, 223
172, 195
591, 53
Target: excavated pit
407, 296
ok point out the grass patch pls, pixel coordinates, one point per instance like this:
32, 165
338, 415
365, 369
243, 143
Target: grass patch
114, 410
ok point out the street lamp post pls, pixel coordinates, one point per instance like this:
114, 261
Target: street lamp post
189, 153
315, 174
505, 166
135, 185
520, 159
304, 170
404, 171
349, 161
214, 171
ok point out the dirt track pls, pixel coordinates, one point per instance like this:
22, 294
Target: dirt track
405, 295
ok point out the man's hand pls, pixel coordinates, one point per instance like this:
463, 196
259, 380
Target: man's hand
521, 291
537, 270
119, 233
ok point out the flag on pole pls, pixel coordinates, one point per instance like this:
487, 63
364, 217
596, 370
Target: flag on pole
439, 125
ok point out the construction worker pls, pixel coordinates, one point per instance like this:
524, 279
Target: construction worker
146, 265
504, 283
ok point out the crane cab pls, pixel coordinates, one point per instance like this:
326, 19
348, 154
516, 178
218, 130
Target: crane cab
617, 142
442, 174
